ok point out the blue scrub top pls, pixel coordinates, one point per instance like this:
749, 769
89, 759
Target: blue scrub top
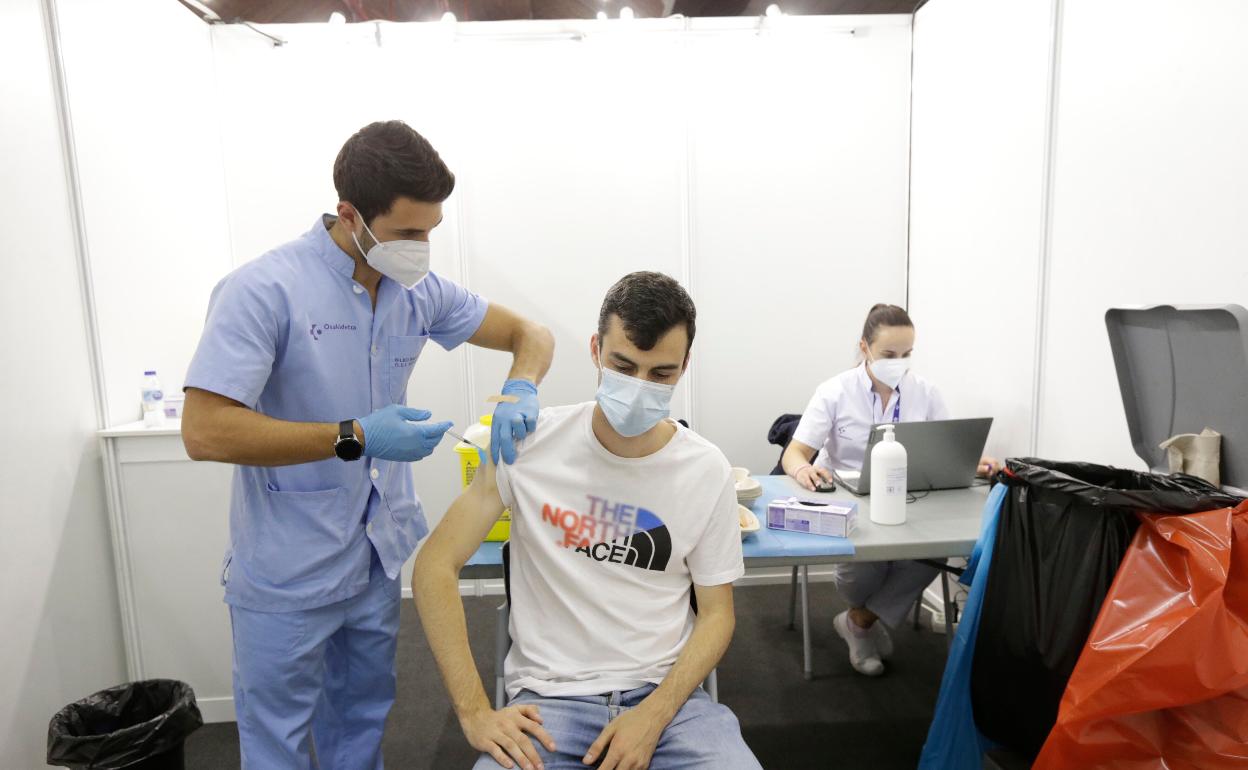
292, 336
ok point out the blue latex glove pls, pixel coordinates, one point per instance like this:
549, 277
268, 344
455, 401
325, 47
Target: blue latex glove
512, 422
400, 433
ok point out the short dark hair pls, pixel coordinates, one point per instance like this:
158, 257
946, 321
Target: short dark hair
388, 160
884, 315
648, 304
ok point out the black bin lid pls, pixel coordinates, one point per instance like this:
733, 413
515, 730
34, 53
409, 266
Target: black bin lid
1182, 368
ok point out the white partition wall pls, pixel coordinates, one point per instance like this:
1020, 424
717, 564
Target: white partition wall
143, 98
573, 153
1150, 194
60, 634
981, 83
1052, 182
798, 172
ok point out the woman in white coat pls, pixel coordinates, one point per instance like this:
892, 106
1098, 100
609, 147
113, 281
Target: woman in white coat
836, 424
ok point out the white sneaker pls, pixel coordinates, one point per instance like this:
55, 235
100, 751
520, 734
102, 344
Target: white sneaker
883, 641
862, 653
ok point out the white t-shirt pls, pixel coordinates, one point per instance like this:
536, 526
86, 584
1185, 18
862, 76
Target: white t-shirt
843, 409
605, 551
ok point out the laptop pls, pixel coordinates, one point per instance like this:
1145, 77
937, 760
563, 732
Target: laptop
940, 454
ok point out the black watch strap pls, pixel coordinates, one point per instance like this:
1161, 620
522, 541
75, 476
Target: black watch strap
346, 429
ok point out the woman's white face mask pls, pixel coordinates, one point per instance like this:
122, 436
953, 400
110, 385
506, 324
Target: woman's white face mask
405, 262
890, 370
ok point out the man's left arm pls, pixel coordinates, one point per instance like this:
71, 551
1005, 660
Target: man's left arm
629, 741
532, 347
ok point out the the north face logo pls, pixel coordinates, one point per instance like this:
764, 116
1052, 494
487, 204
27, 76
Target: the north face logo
615, 533
649, 549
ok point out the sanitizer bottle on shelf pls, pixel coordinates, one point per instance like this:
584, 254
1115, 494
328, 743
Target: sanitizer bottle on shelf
888, 479
153, 401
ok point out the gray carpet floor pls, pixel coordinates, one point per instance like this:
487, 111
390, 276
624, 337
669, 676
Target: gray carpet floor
839, 720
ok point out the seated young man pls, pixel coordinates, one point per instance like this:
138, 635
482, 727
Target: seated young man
618, 513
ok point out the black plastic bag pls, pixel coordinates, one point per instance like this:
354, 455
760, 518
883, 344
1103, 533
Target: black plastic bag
135, 725
1063, 531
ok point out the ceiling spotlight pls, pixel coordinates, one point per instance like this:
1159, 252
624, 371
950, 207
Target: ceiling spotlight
448, 18
627, 13
602, 16
337, 18
773, 11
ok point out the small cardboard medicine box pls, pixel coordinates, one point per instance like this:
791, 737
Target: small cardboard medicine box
833, 519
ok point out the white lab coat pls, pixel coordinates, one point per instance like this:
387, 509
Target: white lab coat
843, 409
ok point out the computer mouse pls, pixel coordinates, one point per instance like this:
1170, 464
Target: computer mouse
825, 486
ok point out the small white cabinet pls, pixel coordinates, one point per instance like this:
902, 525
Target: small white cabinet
170, 525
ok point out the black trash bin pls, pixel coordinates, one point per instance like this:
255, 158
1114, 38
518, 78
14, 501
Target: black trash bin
1063, 531
138, 726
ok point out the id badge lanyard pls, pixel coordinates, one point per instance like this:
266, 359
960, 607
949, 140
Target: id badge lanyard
896, 406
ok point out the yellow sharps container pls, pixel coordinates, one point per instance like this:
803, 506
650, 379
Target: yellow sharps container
479, 434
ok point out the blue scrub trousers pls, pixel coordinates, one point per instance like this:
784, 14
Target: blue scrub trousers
319, 680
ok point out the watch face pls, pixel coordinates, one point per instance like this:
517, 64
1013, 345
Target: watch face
348, 448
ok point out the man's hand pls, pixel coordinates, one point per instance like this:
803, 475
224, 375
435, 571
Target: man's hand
502, 735
629, 740
513, 421
401, 433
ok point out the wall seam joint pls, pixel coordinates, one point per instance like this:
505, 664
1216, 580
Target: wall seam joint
1046, 223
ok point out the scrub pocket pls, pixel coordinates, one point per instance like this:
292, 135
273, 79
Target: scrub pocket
300, 535
400, 360
405, 510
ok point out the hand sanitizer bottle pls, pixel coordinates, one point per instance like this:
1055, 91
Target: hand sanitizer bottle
153, 401
888, 480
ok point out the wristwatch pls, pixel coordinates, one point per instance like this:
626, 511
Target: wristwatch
347, 446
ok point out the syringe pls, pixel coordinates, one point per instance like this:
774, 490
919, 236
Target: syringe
455, 435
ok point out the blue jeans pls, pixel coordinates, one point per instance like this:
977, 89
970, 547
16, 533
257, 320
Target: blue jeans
703, 736
318, 680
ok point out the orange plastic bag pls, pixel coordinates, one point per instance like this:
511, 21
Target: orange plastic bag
1162, 683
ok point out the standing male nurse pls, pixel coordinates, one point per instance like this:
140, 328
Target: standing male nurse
300, 380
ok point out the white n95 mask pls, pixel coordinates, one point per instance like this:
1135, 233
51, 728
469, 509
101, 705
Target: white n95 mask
406, 262
890, 370
633, 406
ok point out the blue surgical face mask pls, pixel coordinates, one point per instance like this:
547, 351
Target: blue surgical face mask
632, 406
